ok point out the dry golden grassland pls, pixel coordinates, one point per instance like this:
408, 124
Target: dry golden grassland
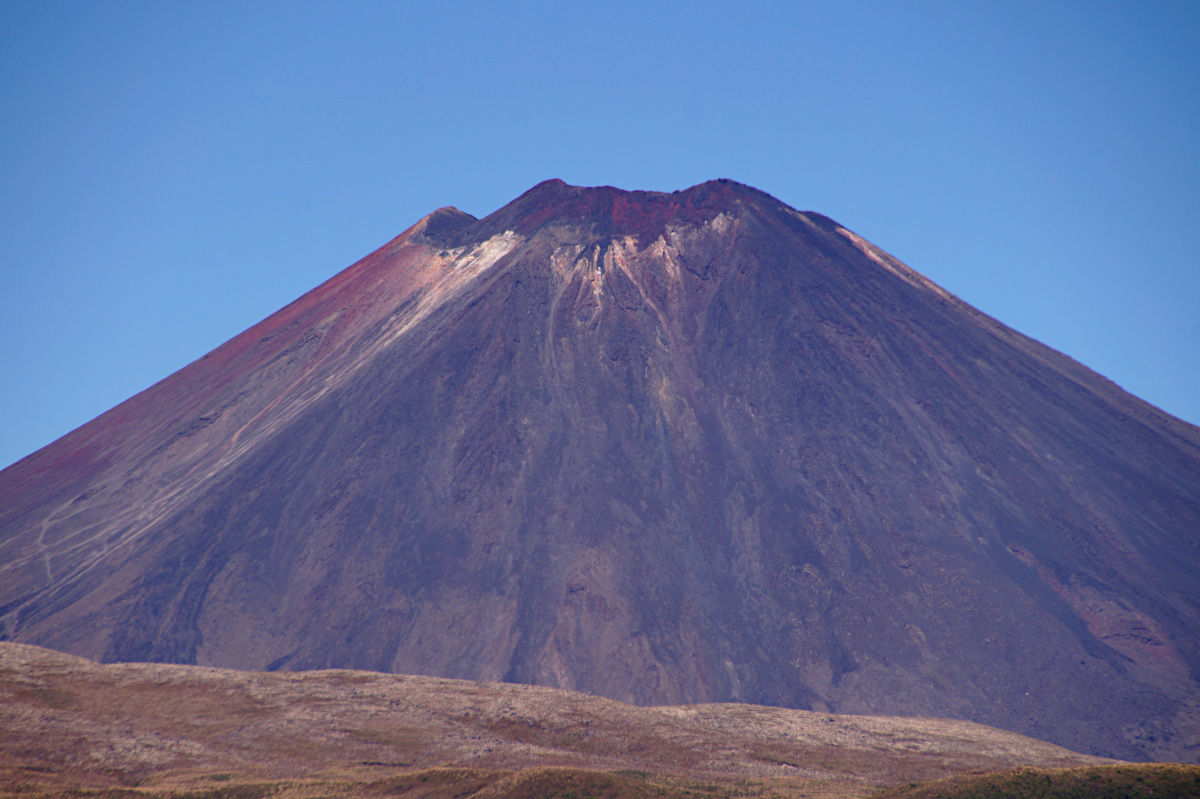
70, 727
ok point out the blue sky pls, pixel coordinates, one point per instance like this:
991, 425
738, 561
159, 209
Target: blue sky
170, 173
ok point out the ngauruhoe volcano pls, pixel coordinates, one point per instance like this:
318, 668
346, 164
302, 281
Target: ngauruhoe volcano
665, 448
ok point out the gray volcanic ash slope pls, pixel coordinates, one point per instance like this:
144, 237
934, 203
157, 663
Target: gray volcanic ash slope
658, 447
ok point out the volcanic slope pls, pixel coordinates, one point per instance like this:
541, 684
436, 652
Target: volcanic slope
662, 448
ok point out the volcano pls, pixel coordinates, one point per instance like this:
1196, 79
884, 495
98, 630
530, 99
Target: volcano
663, 448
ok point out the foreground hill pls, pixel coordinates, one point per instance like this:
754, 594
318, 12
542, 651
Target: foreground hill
664, 448
72, 724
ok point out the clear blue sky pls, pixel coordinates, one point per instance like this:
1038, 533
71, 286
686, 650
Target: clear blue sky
172, 172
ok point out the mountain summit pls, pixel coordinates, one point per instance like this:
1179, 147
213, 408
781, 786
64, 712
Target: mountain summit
664, 448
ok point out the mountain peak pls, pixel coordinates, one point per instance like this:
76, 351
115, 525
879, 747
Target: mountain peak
443, 223
608, 212
674, 447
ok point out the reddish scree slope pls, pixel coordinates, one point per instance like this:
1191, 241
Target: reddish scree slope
660, 447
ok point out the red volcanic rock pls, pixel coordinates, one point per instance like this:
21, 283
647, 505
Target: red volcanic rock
665, 448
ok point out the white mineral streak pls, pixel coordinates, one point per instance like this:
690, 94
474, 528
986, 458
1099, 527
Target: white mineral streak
565, 260
463, 270
618, 255
896, 267
721, 223
667, 253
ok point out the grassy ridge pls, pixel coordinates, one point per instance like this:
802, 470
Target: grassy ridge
1129, 781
